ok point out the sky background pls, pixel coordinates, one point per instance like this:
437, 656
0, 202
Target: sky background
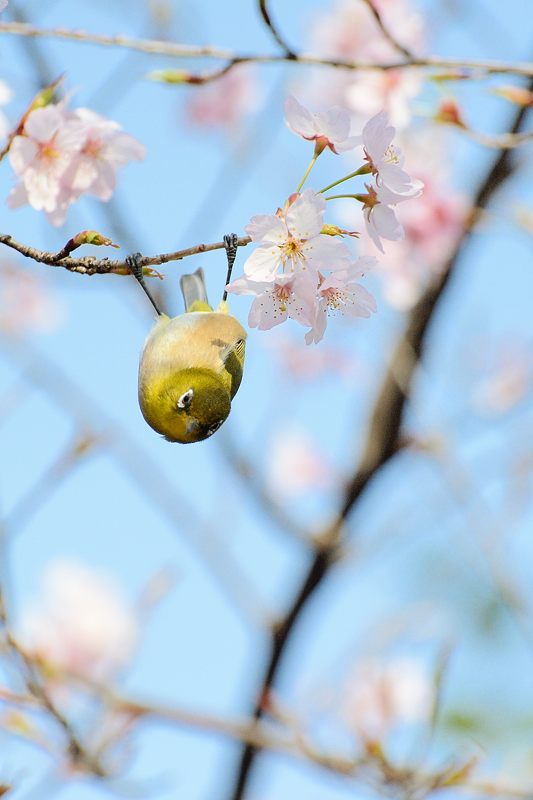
415, 578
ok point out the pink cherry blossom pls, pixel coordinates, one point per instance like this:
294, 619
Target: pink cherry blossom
329, 128
224, 102
292, 241
278, 299
341, 293
81, 624
63, 154
385, 160
105, 150
41, 156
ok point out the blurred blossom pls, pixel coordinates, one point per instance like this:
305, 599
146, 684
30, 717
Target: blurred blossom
81, 624
381, 694
224, 102
63, 154
5, 96
305, 363
3, 4
349, 31
26, 303
295, 465
507, 381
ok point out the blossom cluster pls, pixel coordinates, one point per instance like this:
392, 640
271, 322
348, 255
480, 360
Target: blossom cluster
301, 269
61, 154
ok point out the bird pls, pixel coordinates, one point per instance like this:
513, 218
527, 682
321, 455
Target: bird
191, 365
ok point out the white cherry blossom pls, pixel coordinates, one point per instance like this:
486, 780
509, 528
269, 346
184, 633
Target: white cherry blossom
292, 241
329, 128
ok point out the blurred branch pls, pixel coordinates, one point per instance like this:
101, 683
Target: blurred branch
77, 752
481, 67
383, 441
247, 472
90, 265
385, 31
263, 10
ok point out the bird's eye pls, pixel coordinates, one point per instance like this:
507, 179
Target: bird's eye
186, 399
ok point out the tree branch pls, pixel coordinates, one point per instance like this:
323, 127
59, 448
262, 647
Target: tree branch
382, 443
90, 265
478, 67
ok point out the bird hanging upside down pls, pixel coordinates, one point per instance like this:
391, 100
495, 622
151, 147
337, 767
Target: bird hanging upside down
191, 366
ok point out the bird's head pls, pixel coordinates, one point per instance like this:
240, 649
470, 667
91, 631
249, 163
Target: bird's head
188, 406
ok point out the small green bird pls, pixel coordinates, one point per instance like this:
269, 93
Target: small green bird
191, 366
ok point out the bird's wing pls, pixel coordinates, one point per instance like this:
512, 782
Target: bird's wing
233, 358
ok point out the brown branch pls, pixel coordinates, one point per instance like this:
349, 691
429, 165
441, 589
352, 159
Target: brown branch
385, 31
382, 442
174, 50
90, 265
263, 10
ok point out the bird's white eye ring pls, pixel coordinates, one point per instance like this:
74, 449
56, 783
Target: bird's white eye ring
186, 399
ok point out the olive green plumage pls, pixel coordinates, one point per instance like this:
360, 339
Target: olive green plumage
191, 367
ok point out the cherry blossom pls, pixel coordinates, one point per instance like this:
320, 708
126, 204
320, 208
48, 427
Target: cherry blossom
81, 624
3, 4
342, 293
278, 299
293, 241
380, 219
329, 128
62, 154
105, 150
41, 156
385, 160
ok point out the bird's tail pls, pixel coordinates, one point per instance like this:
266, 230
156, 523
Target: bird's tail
194, 291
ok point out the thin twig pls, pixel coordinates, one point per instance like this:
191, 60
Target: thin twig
479, 67
263, 10
385, 31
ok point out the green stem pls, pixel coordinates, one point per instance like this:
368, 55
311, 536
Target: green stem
364, 170
307, 171
340, 196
